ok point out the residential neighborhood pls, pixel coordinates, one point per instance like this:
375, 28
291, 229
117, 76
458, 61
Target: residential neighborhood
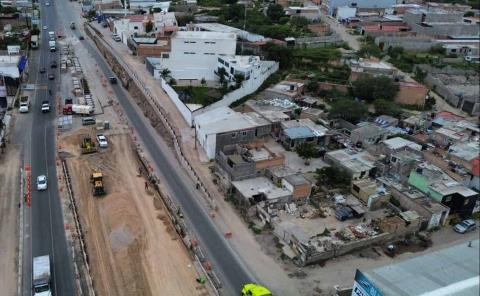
255, 148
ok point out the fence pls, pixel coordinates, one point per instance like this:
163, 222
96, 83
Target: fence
182, 108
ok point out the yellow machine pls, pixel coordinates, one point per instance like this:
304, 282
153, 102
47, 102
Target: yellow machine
98, 186
88, 146
255, 290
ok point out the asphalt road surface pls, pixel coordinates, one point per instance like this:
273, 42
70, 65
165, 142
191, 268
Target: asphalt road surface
44, 231
228, 266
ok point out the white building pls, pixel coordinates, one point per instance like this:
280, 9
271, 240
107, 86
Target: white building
246, 66
345, 12
165, 23
194, 55
130, 25
221, 28
332, 5
311, 13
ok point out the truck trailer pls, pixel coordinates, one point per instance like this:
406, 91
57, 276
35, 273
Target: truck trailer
77, 109
41, 276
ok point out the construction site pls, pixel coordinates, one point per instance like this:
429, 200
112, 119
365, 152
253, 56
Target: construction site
128, 240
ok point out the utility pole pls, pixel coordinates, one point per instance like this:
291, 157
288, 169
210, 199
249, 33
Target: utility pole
244, 22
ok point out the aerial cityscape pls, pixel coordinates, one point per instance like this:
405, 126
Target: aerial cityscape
239, 147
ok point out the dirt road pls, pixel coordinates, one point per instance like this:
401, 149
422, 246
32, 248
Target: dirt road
9, 196
132, 246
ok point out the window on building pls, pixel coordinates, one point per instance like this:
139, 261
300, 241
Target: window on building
466, 201
355, 188
135, 27
232, 70
165, 55
244, 133
447, 199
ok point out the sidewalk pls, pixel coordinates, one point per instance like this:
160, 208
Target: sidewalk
263, 266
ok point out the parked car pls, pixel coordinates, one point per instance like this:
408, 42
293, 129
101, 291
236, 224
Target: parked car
42, 182
81, 37
88, 121
51, 76
465, 226
102, 141
45, 106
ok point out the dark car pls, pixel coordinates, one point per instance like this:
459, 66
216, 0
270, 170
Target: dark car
81, 37
68, 101
51, 76
88, 121
43, 70
113, 80
53, 64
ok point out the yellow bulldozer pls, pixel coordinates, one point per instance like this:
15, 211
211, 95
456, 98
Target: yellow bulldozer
97, 182
87, 145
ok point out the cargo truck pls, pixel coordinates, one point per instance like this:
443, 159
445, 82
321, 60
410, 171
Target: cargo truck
52, 45
41, 276
34, 41
24, 104
77, 109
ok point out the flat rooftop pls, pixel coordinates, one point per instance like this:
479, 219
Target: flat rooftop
250, 187
450, 271
203, 35
399, 142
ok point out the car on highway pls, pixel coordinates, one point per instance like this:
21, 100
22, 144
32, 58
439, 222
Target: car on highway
102, 141
43, 70
45, 27
47, 3
45, 106
51, 76
53, 64
465, 226
41, 183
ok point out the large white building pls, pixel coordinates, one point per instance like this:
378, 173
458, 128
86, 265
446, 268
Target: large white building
194, 55
332, 5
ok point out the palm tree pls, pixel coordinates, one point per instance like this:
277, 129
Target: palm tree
166, 74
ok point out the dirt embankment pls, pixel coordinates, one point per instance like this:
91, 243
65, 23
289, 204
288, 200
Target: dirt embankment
132, 247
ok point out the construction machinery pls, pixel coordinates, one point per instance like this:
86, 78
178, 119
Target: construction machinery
97, 182
88, 145
255, 290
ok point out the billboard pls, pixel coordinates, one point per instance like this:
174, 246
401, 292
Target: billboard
362, 286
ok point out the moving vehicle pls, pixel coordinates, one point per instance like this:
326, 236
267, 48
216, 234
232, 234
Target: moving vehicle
47, 3
88, 121
52, 45
72, 25
77, 109
51, 76
53, 64
41, 276
51, 35
97, 181
81, 37
255, 290
45, 27
43, 70
102, 141
34, 42
116, 37
113, 80
465, 226
45, 106
24, 104
41, 182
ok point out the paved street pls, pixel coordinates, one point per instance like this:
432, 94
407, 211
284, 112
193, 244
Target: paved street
352, 40
44, 232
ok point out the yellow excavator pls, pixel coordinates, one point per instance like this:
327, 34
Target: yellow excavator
255, 290
97, 181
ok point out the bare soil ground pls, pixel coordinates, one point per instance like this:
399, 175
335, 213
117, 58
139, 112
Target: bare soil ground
132, 246
9, 196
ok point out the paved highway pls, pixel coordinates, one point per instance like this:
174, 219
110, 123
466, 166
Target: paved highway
226, 263
44, 231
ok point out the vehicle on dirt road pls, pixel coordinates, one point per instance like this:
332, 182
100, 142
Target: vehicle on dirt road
465, 226
102, 141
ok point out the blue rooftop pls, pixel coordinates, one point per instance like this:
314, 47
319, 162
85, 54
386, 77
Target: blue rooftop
299, 132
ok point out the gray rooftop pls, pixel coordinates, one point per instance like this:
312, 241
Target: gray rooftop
451, 271
299, 132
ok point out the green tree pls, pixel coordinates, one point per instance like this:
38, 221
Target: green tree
395, 52
166, 73
312, 86
221, 72
278, 53
371, 88
149, 26
348, 109
299, 21
239, 78
384, 107
332, 177
306, 150
370, 49
275, 12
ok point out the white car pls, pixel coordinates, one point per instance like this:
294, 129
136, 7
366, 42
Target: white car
102, 141
45, 27
41, 182
47, 3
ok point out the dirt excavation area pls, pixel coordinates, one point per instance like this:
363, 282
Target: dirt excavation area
9, 198
132, 247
